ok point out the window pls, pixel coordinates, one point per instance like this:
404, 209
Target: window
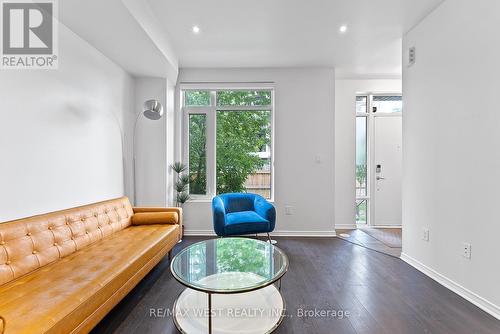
229, 141
361, 159
361, 104
197, 154
361, 211
197, 98
361, 156
387, 104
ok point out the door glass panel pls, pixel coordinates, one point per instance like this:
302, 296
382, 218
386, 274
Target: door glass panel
387, 104
361, 210
361, 156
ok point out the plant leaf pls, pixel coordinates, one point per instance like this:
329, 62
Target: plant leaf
183, 197
178, 167
180, 186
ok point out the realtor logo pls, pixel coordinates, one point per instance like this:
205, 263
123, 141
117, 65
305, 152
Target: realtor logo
28, 34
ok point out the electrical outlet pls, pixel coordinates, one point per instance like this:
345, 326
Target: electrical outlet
289, 210
466, 250
425, 234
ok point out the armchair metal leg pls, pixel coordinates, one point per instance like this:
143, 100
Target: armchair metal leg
271, 241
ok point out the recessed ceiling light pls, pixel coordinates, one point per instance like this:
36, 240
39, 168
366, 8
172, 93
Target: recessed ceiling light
196, 29
343, 28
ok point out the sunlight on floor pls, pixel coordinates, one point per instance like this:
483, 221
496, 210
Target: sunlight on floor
385, 240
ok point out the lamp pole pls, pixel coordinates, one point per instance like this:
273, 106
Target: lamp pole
133, 157
152, 110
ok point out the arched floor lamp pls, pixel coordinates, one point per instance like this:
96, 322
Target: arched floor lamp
152, 110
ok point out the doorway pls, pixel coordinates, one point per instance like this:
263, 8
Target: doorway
378, 159
378, 172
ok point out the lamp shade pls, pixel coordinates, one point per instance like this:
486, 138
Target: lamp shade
153, 110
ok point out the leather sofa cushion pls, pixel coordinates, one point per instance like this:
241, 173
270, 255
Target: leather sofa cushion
245, 222
56, 297
31, 243
143, 218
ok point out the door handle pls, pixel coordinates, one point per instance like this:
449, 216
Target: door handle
380, 178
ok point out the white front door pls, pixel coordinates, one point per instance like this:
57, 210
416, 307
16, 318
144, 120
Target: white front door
387, 171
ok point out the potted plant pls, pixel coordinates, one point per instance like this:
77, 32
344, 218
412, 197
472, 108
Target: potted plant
181, 185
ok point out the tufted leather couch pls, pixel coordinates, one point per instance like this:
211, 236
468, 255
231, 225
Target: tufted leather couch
62, 272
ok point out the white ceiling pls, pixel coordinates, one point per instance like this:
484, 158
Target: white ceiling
125, 31
282, 33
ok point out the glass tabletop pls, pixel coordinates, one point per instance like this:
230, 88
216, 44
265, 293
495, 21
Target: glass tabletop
229, 265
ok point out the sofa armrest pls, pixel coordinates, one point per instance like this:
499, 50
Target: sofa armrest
138, 209
147, 218
266, 210
161, 209
219, 215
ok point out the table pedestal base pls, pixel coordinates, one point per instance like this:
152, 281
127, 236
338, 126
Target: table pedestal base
256, 312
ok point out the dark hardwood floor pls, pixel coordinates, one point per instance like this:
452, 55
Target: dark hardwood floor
382, 294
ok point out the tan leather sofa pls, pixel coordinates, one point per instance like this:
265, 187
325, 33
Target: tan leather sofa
62, 272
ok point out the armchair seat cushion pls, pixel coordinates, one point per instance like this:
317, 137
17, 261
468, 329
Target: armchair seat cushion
245, 222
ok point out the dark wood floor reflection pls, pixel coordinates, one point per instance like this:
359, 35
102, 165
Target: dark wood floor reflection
381, 293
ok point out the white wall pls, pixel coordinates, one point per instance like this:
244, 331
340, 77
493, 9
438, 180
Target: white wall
451, 154
170, 116
60, 139
345, 141
304, 116
150, 153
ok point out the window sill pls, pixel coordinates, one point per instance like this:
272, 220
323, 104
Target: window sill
209, 200
200, 200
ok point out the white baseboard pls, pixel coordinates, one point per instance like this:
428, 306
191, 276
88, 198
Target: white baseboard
321, 234
475, 299
355, 226
345, 226
200, 233
316, 234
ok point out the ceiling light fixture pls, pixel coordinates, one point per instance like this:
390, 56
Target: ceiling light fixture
196, 29
343, 28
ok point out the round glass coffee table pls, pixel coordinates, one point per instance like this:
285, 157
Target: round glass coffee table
231, 287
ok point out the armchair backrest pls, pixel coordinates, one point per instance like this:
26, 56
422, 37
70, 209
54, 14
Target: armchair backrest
236, 202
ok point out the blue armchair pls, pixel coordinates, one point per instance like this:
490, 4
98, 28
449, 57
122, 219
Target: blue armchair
242, 213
